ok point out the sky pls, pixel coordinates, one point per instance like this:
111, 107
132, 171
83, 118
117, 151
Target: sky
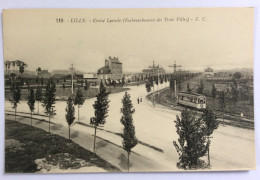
221, 38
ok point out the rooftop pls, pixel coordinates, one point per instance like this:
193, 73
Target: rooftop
104, 70
208, 70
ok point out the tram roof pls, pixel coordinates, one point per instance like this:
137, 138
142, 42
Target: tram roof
191, 94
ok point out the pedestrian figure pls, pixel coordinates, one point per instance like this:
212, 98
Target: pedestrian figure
141, 99
138, 100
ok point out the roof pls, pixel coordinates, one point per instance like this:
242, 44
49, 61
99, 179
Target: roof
45, 71
114, 60
190, 94
208, 70
89, 76
104, 70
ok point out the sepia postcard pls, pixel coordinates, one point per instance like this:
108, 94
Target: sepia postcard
129, 90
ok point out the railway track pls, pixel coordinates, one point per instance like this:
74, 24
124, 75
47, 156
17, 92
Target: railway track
164, 98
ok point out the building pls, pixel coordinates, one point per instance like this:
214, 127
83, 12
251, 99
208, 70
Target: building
44, 74
90, 78
112, 70
157, 70
209, 72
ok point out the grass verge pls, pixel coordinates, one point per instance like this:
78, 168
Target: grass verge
24, 144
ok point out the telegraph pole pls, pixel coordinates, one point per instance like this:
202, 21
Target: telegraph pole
153, 73
72, 73
175, 66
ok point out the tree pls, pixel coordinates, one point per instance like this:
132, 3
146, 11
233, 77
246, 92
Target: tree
38, 96
13, 64
188, 88
13, 77
157, 81
223, 102
7, 66
101, 109
15, 97
18, 64
192, 140
210, 120
179, 85
237, 75
42, 81
200, 88
172, 84
21, 68
86, 85
214, 91
234, 90
70, 113
31, 102
148, 86
161, 80
129, 139
114, 83
48, 100
165, 79
39, 70
123, 81
79, 99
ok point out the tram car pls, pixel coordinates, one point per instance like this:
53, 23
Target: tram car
192, 100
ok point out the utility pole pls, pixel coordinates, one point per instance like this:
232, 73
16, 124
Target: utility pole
175, 66
72, 73
153, 73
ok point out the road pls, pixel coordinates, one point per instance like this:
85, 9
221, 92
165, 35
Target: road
231, 148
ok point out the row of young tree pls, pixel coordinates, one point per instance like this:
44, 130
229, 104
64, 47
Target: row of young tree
151, 80
101, 105
171, 78
194, 137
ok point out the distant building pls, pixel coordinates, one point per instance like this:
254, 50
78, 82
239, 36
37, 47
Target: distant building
157, 70
112, 70
44, 74
64, 73
209, 72
61, 72
182, 72
91, 78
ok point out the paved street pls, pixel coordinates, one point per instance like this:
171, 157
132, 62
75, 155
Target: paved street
155, 129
